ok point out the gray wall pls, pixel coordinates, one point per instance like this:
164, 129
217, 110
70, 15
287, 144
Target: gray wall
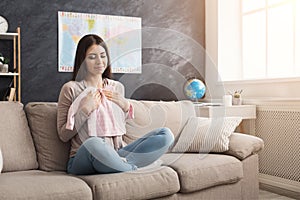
171, 47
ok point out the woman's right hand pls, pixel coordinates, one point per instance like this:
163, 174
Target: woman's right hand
90, 102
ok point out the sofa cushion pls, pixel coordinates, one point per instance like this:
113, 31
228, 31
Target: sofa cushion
146, 184
242, 145
35, 184
15, 139
200, 171
52, 153
149, 115
206, 134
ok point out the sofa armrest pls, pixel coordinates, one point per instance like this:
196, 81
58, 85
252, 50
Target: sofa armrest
242, 145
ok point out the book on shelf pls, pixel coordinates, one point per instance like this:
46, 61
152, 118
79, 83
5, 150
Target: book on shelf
11, 94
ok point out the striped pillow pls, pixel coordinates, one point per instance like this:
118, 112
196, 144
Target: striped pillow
206, 134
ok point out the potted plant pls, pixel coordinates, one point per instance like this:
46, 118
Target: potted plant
237, 97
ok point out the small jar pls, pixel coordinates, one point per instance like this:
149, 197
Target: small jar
5, 68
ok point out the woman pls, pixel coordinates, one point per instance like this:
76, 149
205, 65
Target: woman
91, 113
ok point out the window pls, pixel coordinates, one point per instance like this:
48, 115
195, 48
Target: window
268, 44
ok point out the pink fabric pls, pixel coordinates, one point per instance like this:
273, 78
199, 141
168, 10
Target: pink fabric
101, 122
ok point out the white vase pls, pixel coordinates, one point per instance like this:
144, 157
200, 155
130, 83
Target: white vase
1, 161
5, 68
227, 100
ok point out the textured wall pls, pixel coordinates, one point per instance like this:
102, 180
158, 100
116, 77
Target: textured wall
171, 47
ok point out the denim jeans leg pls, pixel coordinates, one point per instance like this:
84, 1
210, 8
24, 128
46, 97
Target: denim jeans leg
96, 156
148, 148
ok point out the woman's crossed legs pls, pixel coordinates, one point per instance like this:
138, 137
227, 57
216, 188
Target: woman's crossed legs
96, 156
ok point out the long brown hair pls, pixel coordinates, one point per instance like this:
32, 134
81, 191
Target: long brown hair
84, 43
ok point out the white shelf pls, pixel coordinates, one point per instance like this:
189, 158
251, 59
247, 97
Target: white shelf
244, 111
8, 36
9, 74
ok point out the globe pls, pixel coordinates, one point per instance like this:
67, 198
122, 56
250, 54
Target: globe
194, 89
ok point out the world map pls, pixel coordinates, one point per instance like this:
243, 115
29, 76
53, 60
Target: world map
122, 35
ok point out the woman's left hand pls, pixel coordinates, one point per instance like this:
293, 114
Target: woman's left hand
118, 99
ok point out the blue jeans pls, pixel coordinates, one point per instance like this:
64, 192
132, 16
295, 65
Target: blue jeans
95, 156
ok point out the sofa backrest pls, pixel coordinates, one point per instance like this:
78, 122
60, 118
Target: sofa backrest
15, 139
149, 115
52, 153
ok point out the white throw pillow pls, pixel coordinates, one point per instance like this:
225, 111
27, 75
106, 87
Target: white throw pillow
1, 161
206, 134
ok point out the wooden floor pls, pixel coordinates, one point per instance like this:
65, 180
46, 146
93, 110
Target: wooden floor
265, 195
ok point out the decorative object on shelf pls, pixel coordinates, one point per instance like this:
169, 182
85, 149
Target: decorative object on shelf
194, 89
3, 64
3, 24
237, 97
7, 92
227, 100
5, 68
11, 94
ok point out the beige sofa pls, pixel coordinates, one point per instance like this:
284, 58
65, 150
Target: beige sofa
35, 160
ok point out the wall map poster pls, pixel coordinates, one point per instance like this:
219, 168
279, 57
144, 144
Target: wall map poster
122, 35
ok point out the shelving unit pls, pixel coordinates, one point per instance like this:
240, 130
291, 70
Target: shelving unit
16, 38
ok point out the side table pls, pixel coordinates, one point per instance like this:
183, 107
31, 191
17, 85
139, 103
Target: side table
246, 112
